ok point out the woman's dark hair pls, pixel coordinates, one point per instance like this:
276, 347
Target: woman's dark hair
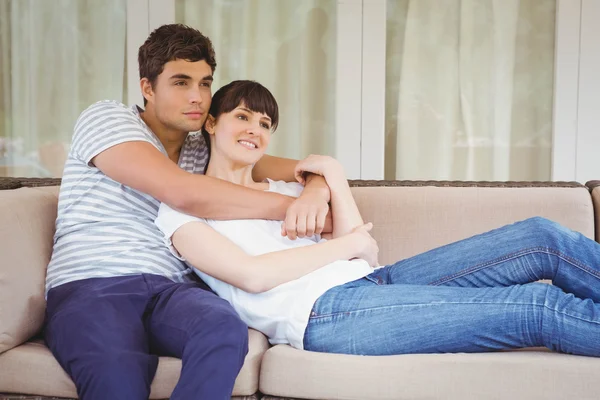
252, 94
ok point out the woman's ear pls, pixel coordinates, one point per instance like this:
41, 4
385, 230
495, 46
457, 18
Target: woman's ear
209, 125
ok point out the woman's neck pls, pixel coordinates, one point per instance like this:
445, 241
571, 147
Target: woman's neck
223, 168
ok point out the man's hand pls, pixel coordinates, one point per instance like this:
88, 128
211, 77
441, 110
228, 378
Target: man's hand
307, 215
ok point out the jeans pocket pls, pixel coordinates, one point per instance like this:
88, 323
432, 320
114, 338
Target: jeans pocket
376, 277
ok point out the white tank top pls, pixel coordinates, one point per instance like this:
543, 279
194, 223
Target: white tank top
281, 313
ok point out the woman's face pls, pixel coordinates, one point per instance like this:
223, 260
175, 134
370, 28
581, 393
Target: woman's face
241, 135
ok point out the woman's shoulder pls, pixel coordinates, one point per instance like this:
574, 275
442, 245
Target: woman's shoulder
288, 188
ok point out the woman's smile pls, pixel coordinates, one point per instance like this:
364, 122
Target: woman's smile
247, 144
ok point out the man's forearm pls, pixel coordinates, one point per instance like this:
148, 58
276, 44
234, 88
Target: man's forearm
275, 168
212, 198
318, 184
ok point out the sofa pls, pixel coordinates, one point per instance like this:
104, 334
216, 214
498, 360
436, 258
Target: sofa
409, 217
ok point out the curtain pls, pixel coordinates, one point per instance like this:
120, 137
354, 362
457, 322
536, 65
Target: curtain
289, 47
469, 89
56, 58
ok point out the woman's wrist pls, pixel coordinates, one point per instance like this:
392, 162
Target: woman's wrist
354, 244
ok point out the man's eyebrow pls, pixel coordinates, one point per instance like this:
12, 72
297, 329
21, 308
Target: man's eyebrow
250, 111
184, 76
180, 76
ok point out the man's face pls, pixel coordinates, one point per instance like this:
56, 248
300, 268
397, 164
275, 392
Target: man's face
181, 96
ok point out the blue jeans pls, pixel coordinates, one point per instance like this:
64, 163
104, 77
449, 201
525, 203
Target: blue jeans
474, 295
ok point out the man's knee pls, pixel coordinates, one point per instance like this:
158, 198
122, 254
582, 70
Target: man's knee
113, 374
226, 331
227, 327
235, 332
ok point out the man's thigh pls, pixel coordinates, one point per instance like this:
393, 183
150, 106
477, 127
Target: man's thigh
186, 310
98, 322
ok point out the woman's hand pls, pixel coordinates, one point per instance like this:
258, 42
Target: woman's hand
366, 247
325, 166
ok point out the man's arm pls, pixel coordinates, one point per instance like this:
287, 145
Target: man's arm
284, 169
346, 216
310, 213
275, 168
141, 166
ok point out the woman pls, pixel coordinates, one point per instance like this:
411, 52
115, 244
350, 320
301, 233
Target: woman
323, 295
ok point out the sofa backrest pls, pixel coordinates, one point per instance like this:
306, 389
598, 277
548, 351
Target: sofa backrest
410, 220
27, 217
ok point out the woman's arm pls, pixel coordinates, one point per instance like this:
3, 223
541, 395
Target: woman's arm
345, 213
216, 255
346, 216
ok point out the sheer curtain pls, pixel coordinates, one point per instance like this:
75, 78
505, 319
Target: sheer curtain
56, 58
469, 89
289, 47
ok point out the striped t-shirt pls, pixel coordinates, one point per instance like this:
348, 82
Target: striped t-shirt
104, 228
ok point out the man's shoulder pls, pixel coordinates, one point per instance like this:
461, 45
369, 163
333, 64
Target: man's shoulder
110, 109
105, 113
105, 124
110, 105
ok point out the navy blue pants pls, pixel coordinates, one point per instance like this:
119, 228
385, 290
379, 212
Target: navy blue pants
107, 334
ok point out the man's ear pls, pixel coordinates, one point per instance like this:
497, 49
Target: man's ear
147, 90
209, 125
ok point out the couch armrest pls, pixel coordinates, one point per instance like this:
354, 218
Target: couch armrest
594, 187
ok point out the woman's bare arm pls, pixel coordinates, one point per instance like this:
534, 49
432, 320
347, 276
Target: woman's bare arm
216, 255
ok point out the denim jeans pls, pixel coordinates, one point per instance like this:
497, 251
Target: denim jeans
475, 295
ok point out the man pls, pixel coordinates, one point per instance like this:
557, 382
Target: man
117, 298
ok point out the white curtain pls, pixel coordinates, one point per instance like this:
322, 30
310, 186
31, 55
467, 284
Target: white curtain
286, 45
56, 58
469, 89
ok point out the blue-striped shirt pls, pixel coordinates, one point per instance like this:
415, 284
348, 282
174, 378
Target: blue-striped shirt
104, 228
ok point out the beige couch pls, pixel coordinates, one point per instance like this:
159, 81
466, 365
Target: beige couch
409, 218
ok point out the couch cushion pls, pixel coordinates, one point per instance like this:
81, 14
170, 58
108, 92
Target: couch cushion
26, 232
530, 375
31, 369
410, 220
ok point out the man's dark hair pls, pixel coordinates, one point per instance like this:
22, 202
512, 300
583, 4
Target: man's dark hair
173, 42
252, 94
